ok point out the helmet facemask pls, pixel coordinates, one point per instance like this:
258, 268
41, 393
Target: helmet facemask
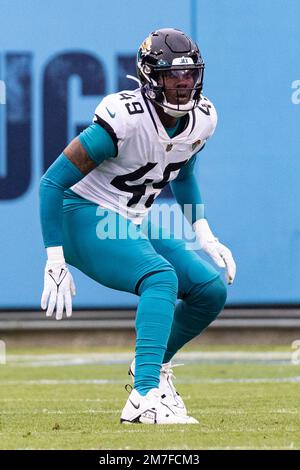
171, 69
181, 88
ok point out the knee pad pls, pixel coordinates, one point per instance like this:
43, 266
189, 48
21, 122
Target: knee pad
160, 284
212, 295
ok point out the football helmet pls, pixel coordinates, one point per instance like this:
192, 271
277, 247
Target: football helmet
170, 63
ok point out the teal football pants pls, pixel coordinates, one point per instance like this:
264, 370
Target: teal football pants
159, 270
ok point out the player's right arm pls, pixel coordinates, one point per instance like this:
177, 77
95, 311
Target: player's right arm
82, 155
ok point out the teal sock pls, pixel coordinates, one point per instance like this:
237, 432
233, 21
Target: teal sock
153, 325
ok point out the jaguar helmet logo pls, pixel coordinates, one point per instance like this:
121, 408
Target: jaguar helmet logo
146, 45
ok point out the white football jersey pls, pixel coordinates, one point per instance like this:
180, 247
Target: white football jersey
147, 157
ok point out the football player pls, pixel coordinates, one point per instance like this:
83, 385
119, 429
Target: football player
138, 142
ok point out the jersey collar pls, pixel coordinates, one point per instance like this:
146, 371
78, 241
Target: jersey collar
160, 129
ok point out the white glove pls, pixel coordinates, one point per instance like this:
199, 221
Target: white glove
220, 254
58, 284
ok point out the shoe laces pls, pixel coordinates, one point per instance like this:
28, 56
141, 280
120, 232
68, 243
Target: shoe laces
168, 370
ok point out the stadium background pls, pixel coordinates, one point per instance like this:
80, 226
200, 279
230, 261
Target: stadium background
62, 383
58, 58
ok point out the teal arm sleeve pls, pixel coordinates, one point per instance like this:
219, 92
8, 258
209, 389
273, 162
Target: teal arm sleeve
62, 174
99, 143
187, 193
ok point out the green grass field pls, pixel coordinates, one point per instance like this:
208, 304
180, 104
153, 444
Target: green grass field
52, 402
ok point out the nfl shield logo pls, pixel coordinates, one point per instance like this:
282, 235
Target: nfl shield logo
169, 147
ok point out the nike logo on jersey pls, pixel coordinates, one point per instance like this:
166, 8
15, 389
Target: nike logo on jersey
112, 115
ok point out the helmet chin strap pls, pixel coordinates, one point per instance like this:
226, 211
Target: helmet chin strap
169, 108
174, 112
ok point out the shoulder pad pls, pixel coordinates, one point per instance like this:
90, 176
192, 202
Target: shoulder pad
111, 112
207, 108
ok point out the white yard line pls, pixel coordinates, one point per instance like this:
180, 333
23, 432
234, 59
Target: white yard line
260, 380
54, 360
197, 411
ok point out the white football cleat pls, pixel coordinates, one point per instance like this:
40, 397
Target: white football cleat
168, 394
150, 410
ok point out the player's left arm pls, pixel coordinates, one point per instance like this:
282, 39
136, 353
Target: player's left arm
219, 253
187, 193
